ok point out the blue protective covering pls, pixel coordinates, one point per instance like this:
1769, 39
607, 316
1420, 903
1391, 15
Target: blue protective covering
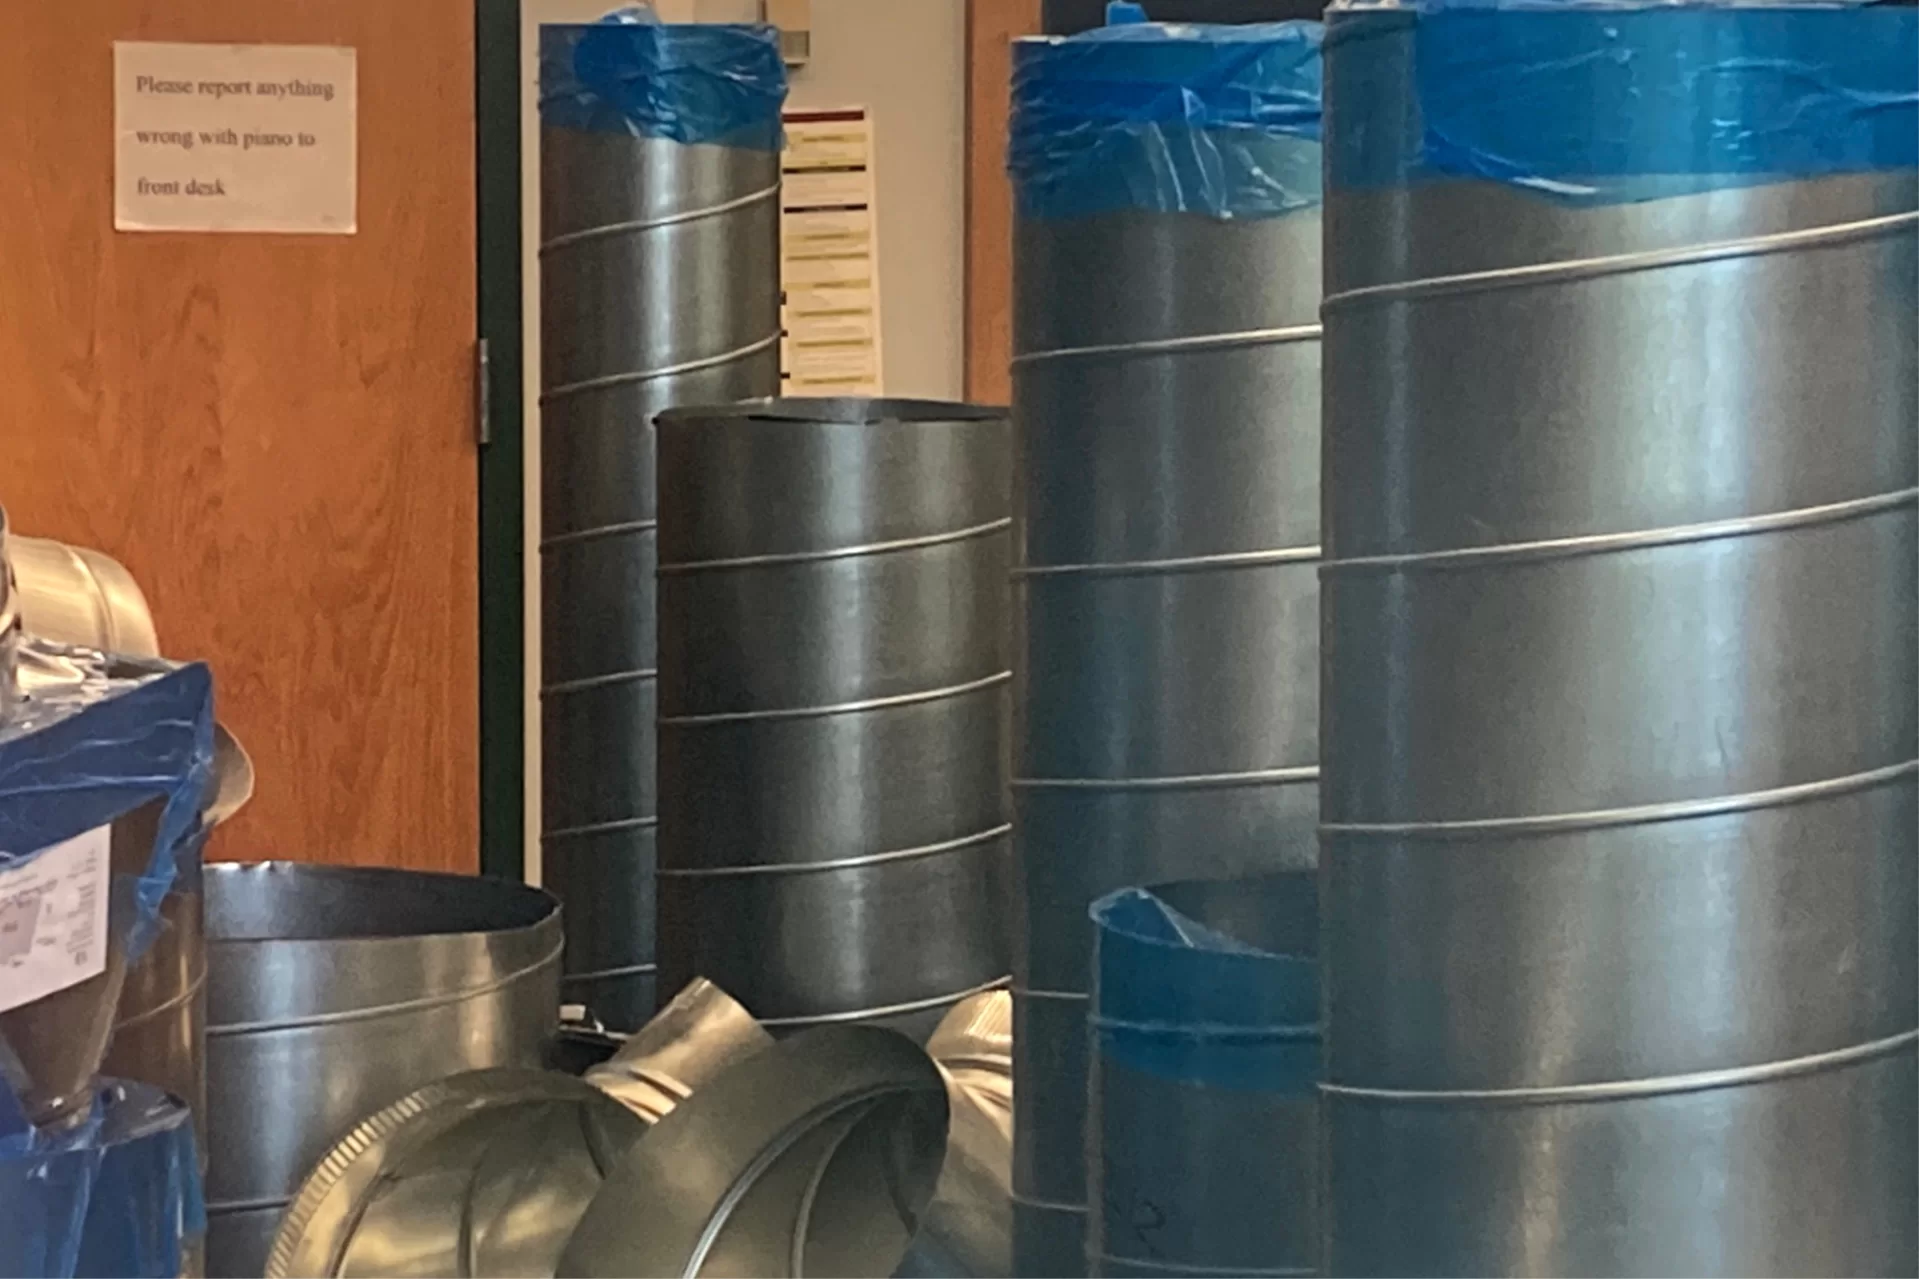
117, 1196
691, 83
1176, 999
1596, 102
1167, 118
93, 738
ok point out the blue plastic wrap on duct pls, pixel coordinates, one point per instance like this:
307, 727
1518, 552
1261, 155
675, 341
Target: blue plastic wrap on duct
120, 1195
1167, 118
1178, 1000
1597, 103
93, 738
692, 83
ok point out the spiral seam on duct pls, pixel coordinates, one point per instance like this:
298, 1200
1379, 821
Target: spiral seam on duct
1699, 1018
623, 340
1051, 989
845, 571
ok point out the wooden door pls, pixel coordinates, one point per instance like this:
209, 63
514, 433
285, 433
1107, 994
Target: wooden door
275, 433
991, 28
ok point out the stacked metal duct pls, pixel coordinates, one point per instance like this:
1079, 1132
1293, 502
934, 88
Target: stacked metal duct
1166, 387
659, 271
333, 992
1620, 854
833, 705
1202, 1139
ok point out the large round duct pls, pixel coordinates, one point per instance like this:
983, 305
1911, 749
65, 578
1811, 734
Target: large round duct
1166, 391
1620, 862
833, 676
659, 285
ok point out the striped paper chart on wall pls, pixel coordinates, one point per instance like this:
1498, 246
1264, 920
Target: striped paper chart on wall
829, 266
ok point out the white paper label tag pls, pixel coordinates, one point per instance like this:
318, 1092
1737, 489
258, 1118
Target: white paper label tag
53, 919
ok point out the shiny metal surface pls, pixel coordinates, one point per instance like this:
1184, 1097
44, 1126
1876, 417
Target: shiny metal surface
1166, 386
1191, 1171
659, 274
813, 1157
1620, 743
967, 1227
832, 653
487, 1173
1808, 1171
333, 992
52, 1047
79, 596
9, 624
699, 1033
483, 1174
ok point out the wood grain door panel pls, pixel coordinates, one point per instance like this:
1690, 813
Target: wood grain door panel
991, 27
274, 433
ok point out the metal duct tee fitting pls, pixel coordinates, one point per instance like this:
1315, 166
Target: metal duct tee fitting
659, 285
1166, 390
833, 680
1620, 855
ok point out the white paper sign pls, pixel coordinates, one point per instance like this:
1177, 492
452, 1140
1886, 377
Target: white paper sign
234, 137
53, 919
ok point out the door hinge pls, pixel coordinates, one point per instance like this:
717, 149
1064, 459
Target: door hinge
482, 393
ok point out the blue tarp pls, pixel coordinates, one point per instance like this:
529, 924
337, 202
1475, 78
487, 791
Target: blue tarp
692, 83
1176, 999
1606, 102
1168, 118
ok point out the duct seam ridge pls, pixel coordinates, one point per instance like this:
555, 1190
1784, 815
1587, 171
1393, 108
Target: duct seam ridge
1183, 564
1175, 346
598, 828
970, 533
647, 375
974, 840
1285, 776
602, 974
609, 230
1632, 1089
838, 708
563, 688
1583, 269
1472, 557
884, 1010
373, 1012
596, 533
1645, 814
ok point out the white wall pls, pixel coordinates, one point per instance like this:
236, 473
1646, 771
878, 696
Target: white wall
905, 61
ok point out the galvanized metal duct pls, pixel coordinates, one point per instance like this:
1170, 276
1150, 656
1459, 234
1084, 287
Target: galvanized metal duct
833, 705
9, 626
1620, 854
83, 597
1166, 390
333, 992
659, 285
1203, 1136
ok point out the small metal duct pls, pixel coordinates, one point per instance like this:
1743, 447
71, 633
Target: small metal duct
1202, 1135
659, 285
1620, 854
833, 705
9, 626
1166, 390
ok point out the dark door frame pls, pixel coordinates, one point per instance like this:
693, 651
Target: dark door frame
496, 87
